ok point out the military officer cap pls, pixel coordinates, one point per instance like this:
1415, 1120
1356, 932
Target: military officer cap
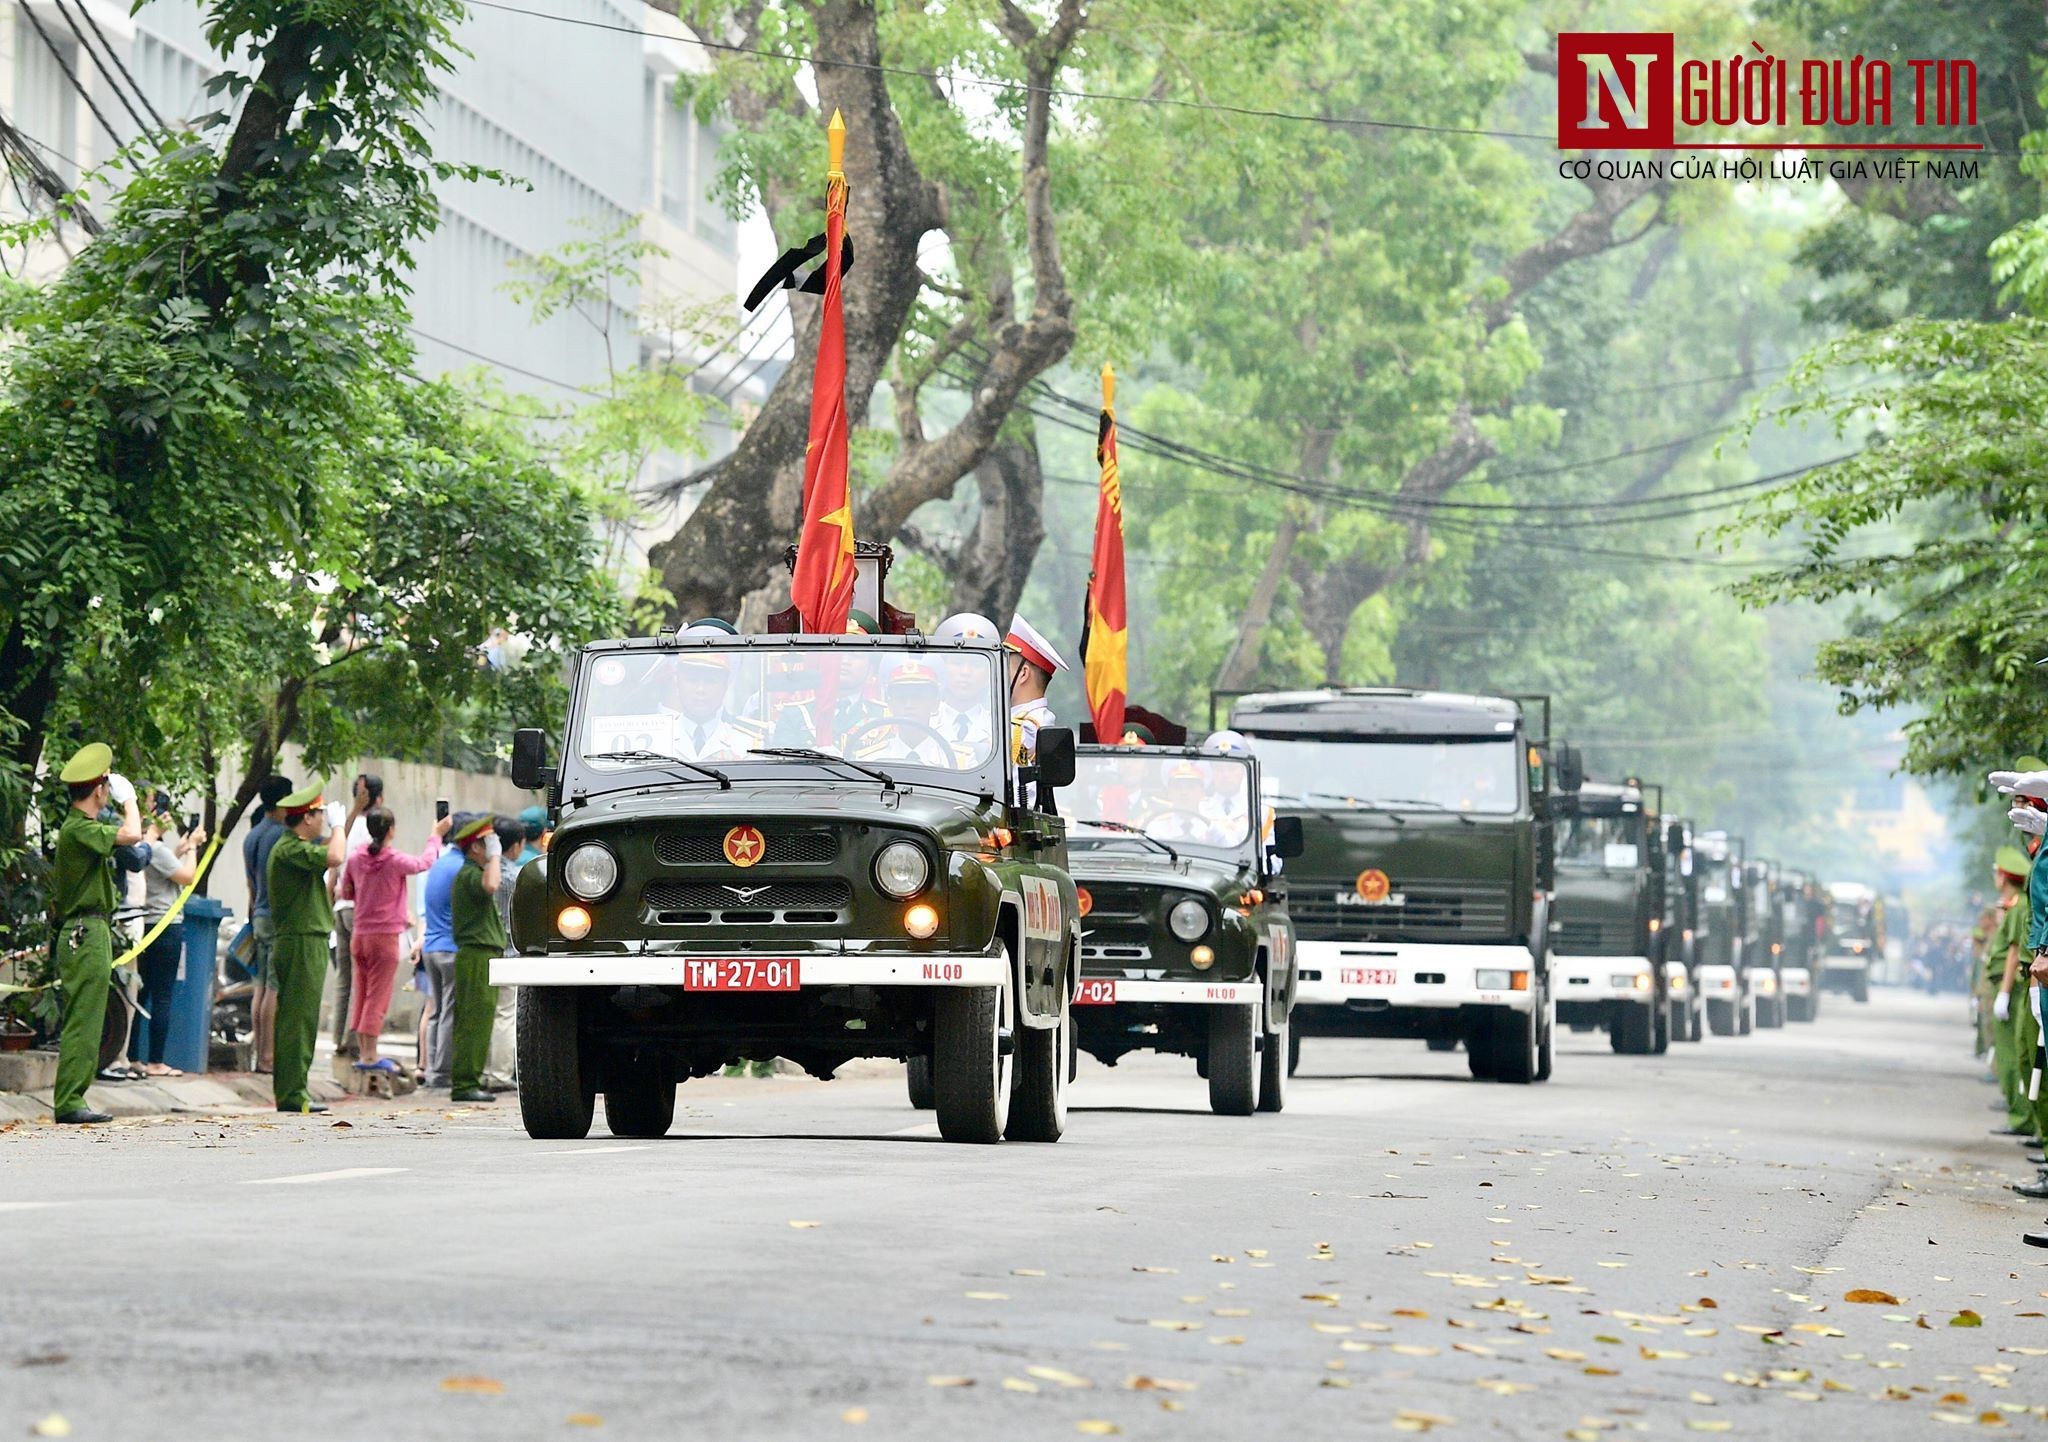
1026, 640
967, 626
706, 659
2013, 862
914, 673
471, 829
860, 623
534, 819
1136, 733
92, 761
301, 801
712, 623
1227, 743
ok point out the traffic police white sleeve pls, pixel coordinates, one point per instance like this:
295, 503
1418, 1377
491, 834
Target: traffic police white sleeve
2021, 783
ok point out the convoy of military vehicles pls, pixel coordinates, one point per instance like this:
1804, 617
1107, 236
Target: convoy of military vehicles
835, 877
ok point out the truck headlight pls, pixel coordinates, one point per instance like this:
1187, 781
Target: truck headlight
901, 869
1189, 920
1493, 980
590, 871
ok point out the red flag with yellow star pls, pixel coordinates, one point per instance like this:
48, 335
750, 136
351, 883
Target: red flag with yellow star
1105, 628
822, 585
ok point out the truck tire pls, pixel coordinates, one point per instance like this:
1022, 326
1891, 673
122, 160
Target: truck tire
1771, 1014
1660, 1036
1859, 987
1293, 1048
556, 1101
1721, 1017
971, 1066
1479, 1055
1274, 1066
1798, 1008
1233, 1060
918, 1073
1038, 1109
1745, 1014
1443, 1043
1699, 1020
1516, 1046
641, 1103
1634, 1031
1546, 1046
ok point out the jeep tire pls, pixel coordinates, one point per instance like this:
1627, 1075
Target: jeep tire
1038, 1106
640, 1101
1274, 1065
1233, 1060
918, 1073
556, 1102
971, 1063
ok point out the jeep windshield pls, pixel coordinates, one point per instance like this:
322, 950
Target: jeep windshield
772, 705
1439, 773
1600, 843
1203, 801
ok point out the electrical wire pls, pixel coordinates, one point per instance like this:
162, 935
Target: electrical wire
78, 33
115, 56
58, 56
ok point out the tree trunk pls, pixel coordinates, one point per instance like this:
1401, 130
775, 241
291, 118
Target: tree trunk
994, 559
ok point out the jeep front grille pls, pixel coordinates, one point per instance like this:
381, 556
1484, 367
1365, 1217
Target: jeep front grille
712, 903
787, 846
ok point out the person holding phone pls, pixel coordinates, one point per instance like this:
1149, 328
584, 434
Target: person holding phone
373, 881
170, 869
365, 791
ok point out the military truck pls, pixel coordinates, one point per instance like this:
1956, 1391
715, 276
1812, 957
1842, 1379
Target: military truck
1766, 983
1607, 930
1720, 939
1855, 938
1186, 947
1798, 906
1681, 932
1421, 901
825, 877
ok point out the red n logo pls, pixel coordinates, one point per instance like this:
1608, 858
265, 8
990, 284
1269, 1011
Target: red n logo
1615, 92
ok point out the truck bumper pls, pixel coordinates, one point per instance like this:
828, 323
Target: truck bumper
1718, 983
1115, 991
1761, 981
1412, 976
1604, 978
1796, 980
674, 968
1677, 981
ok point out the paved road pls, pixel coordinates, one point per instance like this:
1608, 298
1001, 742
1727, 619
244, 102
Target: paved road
1642, 1246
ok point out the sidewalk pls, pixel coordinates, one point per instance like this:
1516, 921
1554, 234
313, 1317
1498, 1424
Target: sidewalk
215, 1092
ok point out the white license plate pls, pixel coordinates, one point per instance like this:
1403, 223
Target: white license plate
1367, 976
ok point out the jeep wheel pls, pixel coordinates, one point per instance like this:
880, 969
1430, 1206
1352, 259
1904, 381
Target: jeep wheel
1517, 1038
1293, 1048
1233, 1060
1721, 1017
972, 1059
640, 1103
555, 1101
918, 1072
1859, 989
1634, 1032
1274, 1054
1038, 1112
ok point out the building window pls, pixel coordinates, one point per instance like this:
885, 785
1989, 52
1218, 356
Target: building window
677, 157
713, 224
44, 100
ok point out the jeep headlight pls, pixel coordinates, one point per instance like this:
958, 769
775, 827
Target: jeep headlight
590, 871
901, 869
1189, 920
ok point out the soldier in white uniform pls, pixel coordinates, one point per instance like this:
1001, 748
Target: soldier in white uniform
963, 715
702, 729
911, 696
1033, 662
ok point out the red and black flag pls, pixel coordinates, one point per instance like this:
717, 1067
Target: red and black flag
1105, 626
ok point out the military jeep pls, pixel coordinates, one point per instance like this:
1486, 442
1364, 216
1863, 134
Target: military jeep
811, 847
1185, 943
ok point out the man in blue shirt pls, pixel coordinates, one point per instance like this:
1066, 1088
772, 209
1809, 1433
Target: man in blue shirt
256, 846
437, 955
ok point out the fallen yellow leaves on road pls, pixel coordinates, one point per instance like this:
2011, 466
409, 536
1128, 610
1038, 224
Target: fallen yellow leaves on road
1096, 1427
53, 1425
803, 1226
1156, 1384
1870, 1296
475, 1386
1704, 1424
1171, 1324
1411, 1349
946, 1381
1564, 1354
1058, 1375
1162, 1271
585, 1419
1407, 1421
1327, 1299
854, 1416
987, 1296
1966, 1318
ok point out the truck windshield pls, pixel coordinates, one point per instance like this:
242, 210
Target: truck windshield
1602, 843
1205, 800
879, 705
1440, 773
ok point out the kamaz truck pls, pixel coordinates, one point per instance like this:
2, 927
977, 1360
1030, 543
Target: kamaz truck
1801, 922
1855, 938
1422, 897
1721, 938
1608, 931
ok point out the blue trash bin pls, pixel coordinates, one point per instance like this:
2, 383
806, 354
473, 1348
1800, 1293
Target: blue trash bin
192, 996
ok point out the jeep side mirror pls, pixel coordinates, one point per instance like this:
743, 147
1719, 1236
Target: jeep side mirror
530, 769
1055, 756
1571, 768
1288, 841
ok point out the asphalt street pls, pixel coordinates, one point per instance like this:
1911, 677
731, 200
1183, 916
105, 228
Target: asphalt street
1655, 1246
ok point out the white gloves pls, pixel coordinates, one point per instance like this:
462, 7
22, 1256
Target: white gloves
493, 848
2002, 1008
120, 790
2021, 783
2029, 820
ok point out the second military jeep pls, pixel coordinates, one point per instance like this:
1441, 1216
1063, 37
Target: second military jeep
812, 847
1185, 942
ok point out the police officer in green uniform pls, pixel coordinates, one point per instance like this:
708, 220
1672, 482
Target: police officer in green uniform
479, 937
303, 918
82, 900
2003, 969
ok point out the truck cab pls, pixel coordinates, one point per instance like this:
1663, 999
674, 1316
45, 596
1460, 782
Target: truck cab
1855, 938
1681, 931
763, 847
1608, 927
1720, 940
1186, 945
1766, 977
1799, 909
1422, 897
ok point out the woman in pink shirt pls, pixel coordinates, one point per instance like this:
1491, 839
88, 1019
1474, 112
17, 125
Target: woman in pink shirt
374, 877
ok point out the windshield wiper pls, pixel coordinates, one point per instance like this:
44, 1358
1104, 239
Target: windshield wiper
812, 753
1432, 805
1350, 801
720, 777
1130, 830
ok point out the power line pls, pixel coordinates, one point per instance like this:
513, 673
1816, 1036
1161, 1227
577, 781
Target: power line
115, 56
58, 56
1024, 87
100, 65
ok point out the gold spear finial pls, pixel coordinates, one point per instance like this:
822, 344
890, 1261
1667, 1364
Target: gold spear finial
1108, 386
835, 141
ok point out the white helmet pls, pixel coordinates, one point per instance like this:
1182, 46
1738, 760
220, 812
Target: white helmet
1227, 743
967, 626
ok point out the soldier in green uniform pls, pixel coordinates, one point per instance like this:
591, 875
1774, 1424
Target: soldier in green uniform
2002, 969
82, 900
303, 917
479, 937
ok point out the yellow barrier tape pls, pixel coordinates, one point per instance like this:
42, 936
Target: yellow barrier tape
177, 908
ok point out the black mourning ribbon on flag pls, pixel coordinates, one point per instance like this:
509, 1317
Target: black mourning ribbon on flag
782, 274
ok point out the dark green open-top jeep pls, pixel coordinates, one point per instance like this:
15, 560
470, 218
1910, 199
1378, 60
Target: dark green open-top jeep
1185, 942
813, 847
